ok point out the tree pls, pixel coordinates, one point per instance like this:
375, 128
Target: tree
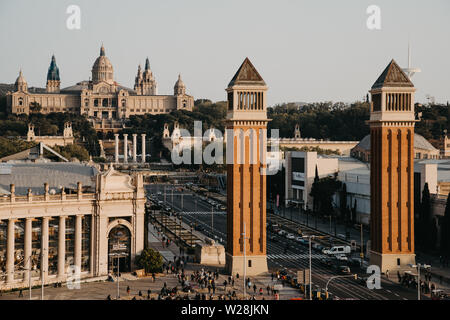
35, 107
322, 191
150, 260
445, 229
426, 220
343, 203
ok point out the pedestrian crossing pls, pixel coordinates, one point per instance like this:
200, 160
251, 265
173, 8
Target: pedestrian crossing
295, 256
203, 212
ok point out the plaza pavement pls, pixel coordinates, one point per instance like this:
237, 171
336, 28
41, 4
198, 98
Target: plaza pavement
99, 290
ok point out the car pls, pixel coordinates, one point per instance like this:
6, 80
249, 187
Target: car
273, 238
319, 247
326, 262
282, 232
341, 257
355, 262
338, 250
344, 269
159, 193
276, 230
298, 239
223, 208
290, 236
304, 242
199, 228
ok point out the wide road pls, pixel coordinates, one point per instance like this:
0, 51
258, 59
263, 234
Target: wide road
195, 210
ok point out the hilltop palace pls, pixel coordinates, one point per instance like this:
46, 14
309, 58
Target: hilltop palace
101, 99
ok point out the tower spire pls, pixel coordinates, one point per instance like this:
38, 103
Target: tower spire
410, 71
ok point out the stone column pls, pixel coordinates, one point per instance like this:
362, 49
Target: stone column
78, 235
61, 246
44, 249
10, 252
134, 146
27, 248
116, 153
143, 148
125, 148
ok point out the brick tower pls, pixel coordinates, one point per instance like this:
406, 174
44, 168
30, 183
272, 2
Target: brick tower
246, 180
392, 170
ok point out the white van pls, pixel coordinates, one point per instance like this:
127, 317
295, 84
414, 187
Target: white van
338, 250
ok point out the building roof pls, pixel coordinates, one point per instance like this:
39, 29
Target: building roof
34, 175
85, 85
247, 75
53, 70
392, 76
419, 143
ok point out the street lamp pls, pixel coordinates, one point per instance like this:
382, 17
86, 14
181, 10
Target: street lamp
335, 277
418, 266
245, 265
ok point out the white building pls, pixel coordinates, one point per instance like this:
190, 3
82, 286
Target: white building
300, 173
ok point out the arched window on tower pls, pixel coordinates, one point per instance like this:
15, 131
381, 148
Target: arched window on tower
124, 103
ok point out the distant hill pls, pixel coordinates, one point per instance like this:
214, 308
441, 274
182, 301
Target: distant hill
5, 87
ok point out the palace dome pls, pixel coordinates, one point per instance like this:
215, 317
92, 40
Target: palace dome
102, 70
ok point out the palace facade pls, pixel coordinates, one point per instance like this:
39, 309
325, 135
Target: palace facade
100, 98
58, 220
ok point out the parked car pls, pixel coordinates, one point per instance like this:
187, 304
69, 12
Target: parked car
290, 236
344, 269
273, 238
326, 262
282, 232
298, 239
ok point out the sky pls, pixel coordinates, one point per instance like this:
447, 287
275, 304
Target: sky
306, 51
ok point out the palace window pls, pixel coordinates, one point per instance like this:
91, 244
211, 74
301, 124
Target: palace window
124, 103
20, 102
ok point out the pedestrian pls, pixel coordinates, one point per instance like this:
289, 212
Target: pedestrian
108, 297
128, 290
20, 293
268, 290
254, 288
140, 293
153, 276
387, 274
272, 276
261, 291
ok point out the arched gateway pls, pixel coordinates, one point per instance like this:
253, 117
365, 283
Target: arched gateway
119, 249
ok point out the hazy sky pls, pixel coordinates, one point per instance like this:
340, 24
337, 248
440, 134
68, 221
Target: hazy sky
305, 50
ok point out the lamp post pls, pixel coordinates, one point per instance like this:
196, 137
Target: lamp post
310, 265
418, 266
362, 243
212, 219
